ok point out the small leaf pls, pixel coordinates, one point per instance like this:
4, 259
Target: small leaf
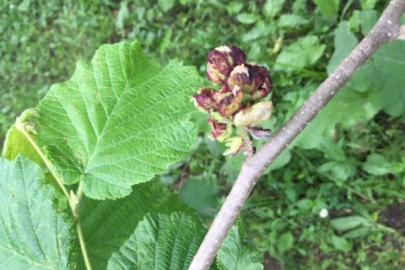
273, 7
285, 242
368, 19
234, 7
291, 21
368, 4
118, 121
304, 52
358, 232
166, 5
348, 223
247, 18
345, 42
305, 204
160, 241
16, 143
341, 243
327, 7
35, 232
378, 165
238, 254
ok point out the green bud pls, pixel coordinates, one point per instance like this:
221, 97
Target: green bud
235, 145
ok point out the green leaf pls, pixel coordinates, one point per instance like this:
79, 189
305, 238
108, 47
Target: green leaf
304, 52
346, 108
285, 242
338, 170
280, 161
236, 253
166, 5
388, 64
368, 4
234, 7
345, 42
382, 77
16, 143
327, 7
368, 19
378, 165
108, 224
348, 223
201, 195
305, 204
35, 232
247, 18
341, 243
118, 121
358, 232
160, 241
354, 21
291, 20
273, 7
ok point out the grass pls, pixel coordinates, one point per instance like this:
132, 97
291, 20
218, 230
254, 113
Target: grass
358, 172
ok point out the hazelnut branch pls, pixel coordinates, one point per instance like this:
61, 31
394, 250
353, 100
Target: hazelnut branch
386, 30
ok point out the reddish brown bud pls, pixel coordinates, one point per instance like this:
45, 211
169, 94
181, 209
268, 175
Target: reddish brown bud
219, 131
240, 79
252, 79
260, 93
221, 62
205, 99
230, 103
261, 80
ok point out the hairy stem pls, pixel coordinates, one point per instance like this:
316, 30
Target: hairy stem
386, 30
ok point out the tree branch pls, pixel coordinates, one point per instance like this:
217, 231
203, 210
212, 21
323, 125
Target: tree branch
386, 30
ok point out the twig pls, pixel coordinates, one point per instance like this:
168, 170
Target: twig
386, 30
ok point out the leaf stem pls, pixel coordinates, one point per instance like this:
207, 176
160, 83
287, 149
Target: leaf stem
22, 128
83, 245
73, 199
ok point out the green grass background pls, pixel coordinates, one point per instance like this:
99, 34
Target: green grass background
351, 162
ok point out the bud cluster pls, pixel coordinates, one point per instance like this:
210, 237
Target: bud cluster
237, 103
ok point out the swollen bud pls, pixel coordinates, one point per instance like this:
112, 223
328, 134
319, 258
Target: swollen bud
221, 62
255, 115
240, 77
219, 131
261, 80
254, 80
230, 103
204, 100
